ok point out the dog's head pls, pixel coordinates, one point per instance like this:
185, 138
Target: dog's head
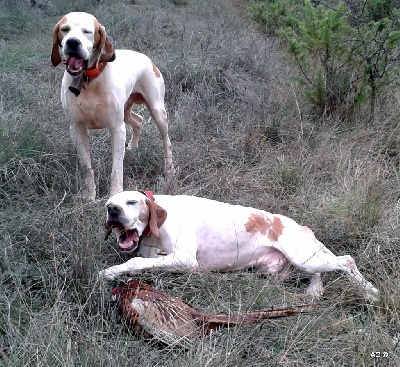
131, 214
81, 41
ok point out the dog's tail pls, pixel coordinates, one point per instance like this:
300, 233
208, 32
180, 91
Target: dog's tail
251, 317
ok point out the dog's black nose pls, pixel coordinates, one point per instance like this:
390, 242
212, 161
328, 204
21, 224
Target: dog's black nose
73, 44
113, 210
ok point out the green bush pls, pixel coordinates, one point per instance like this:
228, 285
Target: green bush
346, 53
273, 14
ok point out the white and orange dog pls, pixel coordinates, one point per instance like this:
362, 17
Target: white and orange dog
176, 233
99, 88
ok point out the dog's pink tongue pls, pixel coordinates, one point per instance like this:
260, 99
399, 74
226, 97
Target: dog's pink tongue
131, 239
74, 63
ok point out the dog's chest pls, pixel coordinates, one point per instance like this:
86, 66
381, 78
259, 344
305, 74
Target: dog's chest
95, 107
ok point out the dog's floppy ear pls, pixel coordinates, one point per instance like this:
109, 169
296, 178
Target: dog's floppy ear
55, 52
157, 216
106, 48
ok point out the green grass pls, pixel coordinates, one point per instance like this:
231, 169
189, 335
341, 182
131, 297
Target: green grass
241, 133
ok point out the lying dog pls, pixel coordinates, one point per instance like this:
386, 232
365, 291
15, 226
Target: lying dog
99, 88
176, 233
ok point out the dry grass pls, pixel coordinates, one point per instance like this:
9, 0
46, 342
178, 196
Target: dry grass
242, 134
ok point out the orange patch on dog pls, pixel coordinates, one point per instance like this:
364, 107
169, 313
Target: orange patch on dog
156, 71
276, 229
60, 24
97, 37
257, 223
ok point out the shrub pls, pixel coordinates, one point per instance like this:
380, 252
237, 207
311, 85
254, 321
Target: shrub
346, 52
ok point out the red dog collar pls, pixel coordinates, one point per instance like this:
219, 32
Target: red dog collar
94, 71
148, 194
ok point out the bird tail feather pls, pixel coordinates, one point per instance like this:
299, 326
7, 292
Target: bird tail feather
251, 317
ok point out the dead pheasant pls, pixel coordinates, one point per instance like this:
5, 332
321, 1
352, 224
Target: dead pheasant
175, 322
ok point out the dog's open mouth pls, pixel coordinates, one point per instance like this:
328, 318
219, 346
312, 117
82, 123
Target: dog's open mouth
75, 65
128, 239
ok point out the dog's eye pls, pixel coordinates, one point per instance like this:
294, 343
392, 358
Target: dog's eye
66, 28
131, 202
87, 31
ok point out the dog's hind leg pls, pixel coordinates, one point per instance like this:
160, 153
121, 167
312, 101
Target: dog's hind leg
159, 115
315, 261
136, 122
155, 103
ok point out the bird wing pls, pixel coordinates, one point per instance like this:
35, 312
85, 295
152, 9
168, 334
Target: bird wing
166, 322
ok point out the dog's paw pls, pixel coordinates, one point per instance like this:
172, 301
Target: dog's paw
108, 274
134, 273
371, 294
315, 290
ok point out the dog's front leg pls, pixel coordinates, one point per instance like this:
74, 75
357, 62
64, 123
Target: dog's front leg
118, 138
139, 264
80, 139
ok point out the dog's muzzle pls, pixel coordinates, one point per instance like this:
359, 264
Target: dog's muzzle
128, 239
75, 66
75, 62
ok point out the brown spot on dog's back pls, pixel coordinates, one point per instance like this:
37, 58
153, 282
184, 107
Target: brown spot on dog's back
276, 229
257, 223
156, 71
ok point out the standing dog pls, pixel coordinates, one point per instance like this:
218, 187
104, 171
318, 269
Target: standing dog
99, 88
176, 233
